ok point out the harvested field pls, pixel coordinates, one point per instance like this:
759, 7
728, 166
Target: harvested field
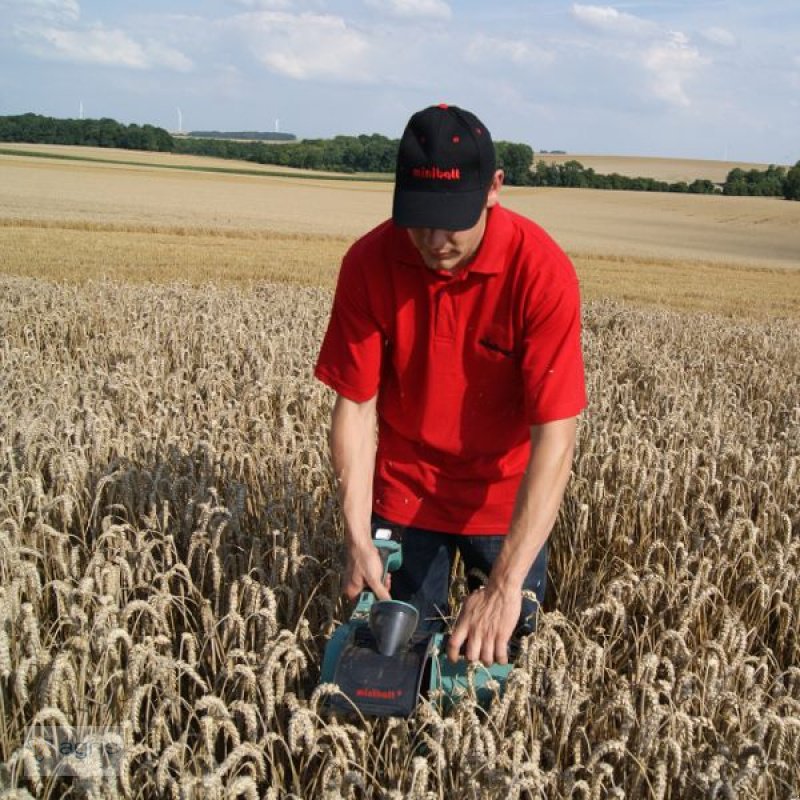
147, 158
93, 192
142, 224
743, 231
724, 230
665, 169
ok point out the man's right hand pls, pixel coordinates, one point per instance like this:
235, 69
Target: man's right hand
364, 570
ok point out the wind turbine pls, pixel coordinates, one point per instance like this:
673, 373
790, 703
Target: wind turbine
180, 121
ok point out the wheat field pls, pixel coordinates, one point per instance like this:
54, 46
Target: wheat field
171, 561
171, 550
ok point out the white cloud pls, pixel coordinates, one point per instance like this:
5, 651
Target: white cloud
794, 80
429, 9
721, 37
53, 11
307, 46
671, 65
664, 62
264, 5
492, 49
609, 20
101, 45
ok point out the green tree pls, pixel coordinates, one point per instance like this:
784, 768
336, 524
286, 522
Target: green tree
573, 174
754, 182
515, 160
702, 186
791, 186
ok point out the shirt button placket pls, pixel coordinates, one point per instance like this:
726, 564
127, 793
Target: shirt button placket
444, 314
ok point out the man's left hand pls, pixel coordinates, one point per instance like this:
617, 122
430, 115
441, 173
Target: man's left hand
488, 618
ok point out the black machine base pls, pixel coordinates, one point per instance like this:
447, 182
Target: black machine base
379, 685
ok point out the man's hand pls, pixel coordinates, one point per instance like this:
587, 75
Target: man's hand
488, 618
490, 615
365, 571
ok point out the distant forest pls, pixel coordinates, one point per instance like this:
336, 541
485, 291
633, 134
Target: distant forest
372, 153
105, 132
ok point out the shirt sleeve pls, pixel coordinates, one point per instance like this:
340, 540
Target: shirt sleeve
552, 362
350, 357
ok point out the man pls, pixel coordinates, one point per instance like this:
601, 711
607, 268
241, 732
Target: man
457, 324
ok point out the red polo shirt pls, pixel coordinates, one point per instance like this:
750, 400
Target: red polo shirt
463, 365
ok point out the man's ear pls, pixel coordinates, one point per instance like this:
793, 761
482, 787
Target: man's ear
494, 189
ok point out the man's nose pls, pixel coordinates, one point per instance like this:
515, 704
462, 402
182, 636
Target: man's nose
437, 238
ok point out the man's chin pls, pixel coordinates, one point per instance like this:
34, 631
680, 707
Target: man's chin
443, 264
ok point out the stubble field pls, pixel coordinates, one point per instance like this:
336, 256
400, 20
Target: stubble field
143, 223
171, 550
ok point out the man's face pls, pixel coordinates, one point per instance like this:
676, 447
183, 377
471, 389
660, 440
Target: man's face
450, 251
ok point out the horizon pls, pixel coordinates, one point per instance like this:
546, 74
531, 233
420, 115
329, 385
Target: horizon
298, 140
641, 78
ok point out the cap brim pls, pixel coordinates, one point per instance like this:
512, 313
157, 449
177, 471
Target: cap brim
449, 211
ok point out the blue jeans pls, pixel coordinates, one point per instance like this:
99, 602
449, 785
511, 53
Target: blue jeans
424, 577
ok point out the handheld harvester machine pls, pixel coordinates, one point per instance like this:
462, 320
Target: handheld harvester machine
383, 663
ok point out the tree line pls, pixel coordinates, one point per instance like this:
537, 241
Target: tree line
104, 132
375, 153
573, 174
771, 182
349, 154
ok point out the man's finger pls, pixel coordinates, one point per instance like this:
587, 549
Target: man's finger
351, 590
472, 652
488, 652
454, 643
380, 590
501, 651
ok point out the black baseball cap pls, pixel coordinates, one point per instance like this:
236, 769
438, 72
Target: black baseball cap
445, 166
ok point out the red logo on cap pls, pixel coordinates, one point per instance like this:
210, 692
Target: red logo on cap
437, 173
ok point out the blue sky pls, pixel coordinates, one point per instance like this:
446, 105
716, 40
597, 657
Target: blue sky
704, 79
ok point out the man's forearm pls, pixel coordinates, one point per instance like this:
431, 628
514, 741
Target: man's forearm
353, 454
538, 501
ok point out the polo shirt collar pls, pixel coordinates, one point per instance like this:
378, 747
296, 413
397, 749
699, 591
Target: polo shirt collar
492, 253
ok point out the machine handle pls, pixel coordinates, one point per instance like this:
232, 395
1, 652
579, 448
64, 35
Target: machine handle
386, 556
390, 553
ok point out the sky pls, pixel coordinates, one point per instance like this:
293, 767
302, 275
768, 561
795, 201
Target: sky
673, 78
